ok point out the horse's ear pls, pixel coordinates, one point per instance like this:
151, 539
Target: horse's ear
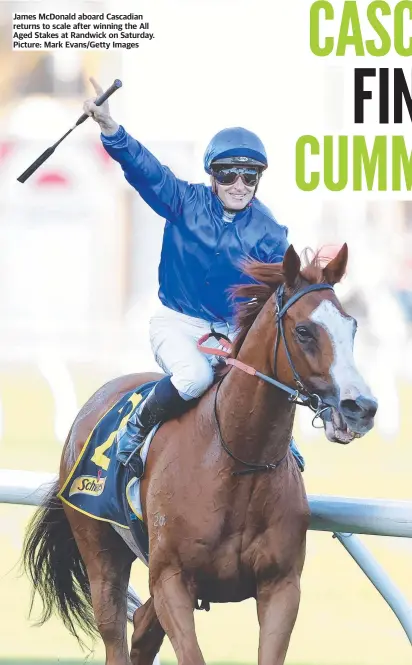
336, 268
291, 266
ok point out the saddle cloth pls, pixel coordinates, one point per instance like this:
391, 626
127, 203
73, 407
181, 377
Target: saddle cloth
98, 485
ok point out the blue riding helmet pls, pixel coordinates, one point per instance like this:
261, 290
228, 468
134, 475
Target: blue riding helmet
236, 146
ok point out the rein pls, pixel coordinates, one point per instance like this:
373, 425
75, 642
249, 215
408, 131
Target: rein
300, 395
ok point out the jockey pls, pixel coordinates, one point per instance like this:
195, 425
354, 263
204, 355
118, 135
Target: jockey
208, 231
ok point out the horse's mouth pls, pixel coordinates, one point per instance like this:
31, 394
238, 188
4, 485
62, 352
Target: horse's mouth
360, 426
338, 430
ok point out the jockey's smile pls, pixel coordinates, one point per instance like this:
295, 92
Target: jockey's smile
235, 196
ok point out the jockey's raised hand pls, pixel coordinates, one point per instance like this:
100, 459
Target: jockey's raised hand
100, 114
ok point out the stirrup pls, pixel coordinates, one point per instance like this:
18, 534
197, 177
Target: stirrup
133, 461
136, 466
133, 454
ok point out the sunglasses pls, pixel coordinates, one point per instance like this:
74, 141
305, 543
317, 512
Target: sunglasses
250, 176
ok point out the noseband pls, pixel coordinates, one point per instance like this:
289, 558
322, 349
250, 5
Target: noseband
301, 395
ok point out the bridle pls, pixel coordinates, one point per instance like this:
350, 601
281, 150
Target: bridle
300, 395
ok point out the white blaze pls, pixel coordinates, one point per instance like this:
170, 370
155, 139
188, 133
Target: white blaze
341, 331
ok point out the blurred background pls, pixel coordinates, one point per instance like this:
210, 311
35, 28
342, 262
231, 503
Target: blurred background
79, 252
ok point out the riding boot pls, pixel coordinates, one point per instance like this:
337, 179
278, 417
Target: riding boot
298, 457
162, 403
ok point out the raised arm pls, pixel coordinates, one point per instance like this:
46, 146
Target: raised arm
156, 183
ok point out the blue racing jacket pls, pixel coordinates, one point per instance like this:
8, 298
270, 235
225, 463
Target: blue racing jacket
201, 253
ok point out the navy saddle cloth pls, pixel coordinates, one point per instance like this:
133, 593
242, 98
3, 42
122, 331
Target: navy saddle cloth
98, 484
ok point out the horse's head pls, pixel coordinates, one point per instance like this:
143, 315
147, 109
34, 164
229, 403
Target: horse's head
313, 340
320, 338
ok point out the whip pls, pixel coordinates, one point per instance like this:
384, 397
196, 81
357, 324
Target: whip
46, 154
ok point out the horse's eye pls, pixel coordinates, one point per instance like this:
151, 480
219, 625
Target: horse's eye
304, 335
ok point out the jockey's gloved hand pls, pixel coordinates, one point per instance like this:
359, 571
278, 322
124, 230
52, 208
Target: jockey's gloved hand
101, 114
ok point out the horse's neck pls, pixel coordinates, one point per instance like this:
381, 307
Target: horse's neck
256, 417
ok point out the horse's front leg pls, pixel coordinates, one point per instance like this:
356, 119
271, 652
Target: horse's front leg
277, 607
174, 605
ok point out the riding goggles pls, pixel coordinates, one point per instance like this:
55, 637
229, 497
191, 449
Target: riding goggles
250, 176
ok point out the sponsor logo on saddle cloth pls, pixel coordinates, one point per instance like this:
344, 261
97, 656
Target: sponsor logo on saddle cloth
91, 485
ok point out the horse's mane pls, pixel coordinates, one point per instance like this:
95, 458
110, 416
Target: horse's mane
268, 277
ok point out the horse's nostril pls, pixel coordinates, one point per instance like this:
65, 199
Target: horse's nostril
349, 406
364, 406
367, 405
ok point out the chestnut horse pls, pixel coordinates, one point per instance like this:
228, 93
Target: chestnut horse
215, 533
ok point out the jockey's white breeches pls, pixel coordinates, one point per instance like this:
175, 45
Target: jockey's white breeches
173, 338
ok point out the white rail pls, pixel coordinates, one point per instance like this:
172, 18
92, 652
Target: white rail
342, 516
373, 517
27, 488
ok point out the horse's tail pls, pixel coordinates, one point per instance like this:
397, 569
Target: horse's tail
53, 563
